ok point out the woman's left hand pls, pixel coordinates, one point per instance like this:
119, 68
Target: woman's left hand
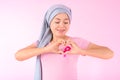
75, 49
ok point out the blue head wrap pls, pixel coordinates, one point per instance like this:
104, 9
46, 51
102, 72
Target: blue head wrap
46, 34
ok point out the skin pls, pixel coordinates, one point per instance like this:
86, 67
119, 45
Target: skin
59, 27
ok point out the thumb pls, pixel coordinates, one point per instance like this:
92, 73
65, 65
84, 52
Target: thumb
60, 52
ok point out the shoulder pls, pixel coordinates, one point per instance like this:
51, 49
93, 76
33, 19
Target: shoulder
78, 39
83, 43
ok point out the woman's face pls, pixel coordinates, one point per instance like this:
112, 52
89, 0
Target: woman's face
60, 25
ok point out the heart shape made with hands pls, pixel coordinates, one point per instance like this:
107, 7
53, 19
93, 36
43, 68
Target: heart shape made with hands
65, 48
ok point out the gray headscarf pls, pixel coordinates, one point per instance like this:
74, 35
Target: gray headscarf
46, 34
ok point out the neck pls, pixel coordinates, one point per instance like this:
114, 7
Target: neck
62, 37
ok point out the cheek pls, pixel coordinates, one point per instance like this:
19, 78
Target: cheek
52, 28
67, 27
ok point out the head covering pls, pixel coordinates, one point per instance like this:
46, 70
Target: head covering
46, 34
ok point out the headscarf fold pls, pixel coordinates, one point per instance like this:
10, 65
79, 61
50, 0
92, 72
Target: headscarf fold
46, 34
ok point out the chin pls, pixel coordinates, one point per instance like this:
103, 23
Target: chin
60, 35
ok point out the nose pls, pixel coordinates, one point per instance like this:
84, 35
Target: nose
61, 24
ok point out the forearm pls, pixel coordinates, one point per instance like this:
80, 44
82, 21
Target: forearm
102, 52
24, 54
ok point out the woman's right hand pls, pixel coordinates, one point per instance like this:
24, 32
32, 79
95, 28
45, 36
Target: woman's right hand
53, 47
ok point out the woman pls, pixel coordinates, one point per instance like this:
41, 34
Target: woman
51, 64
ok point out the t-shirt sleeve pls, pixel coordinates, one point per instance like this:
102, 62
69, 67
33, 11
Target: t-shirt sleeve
82, 43
36, 42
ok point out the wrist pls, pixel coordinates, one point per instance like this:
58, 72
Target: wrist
40, 51
82, 52
44, 50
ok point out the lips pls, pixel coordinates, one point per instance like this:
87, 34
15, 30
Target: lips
60, 30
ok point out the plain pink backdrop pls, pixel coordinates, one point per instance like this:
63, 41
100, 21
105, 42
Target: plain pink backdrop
95, 20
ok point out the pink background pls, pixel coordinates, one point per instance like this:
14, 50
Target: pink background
95, 20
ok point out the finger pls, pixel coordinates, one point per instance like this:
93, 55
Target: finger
72, 43
60, 52
61, 41
68, 42
56, 42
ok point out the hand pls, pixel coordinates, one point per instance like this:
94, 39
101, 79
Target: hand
75, 49
54, 46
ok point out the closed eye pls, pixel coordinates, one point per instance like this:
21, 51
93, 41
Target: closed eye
65, 22
57, 22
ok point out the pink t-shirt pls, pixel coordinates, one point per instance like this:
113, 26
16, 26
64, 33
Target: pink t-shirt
57, 67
